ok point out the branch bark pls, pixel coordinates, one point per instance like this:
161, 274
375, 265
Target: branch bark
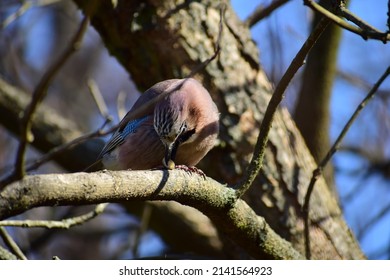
218, 202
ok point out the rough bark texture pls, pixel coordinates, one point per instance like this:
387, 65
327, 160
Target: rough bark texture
231, 215
156, 40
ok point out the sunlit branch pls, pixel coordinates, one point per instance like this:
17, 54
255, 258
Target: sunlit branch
99, 100
365, 31
278, 95
11, 244
63, 224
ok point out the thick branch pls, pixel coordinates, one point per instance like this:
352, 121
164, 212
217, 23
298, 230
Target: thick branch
217, 201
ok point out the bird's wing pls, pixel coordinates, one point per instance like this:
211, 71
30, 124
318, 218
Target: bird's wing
120, 135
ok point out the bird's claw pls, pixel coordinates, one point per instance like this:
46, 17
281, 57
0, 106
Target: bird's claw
191, 170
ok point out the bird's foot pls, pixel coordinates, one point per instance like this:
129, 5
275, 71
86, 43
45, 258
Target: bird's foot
191, 170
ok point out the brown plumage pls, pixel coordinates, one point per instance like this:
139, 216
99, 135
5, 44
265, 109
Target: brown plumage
181, 128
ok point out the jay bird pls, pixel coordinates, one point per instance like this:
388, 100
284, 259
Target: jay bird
179, 129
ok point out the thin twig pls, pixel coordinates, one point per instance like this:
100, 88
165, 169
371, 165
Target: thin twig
258, 154
26, 5
12, 244
120, 104
364, 33
318, 171
62, 148
98, 98
262, 12
56, 151
39, 94
6, 255
348, 15
63, 224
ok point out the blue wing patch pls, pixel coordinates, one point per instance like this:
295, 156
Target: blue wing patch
132, 126
120, 135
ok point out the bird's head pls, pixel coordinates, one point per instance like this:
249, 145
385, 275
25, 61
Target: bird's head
173, 125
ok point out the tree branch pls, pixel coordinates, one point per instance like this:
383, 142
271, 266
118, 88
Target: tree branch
217, 201
6, 255
12, 244
365, 31
25, 7
261, 12
278, 95
63, 224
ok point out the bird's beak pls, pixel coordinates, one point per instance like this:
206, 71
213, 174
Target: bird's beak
170, 154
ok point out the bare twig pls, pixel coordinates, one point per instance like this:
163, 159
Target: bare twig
60, 149
6, 255
56, 151
347, 14
12, 244
26, 5
258, 154
63, 224
262, 12
39, 94
318, 171
99, 100
120, 104
364, 33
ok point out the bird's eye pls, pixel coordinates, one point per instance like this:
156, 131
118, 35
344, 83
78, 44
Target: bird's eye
186, 135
